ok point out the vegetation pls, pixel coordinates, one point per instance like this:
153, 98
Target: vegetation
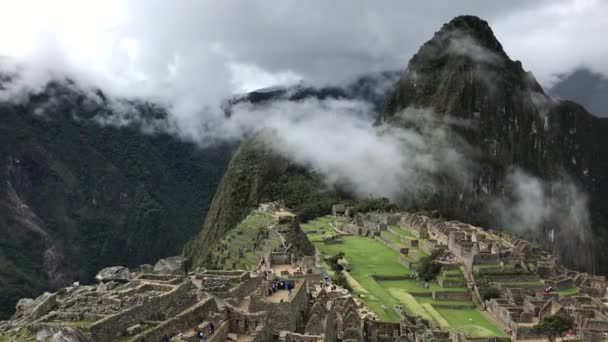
256, 174
489, 292
106, 195
428, 267
369, 257
554, 326
333, 261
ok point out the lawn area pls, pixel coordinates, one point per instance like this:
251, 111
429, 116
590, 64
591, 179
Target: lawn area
369, 257
401, 231
411, 286
318, 229
471, 321
568, 291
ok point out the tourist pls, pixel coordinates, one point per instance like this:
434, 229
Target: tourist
201, 336
211, 327
165, 339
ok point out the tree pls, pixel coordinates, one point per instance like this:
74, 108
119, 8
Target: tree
554, 326
428, 267
489, 292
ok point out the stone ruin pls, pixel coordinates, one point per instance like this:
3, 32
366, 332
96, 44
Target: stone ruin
168, 300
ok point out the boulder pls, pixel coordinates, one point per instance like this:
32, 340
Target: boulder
115, 273
171, 265
60, 334
145, 268
107, 286
43, 305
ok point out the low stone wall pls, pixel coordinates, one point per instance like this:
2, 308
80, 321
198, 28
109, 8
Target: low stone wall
221, 333
381, 277
247, 323
408, 263
451, 295
190, 318
243, 289
295, 337
525, 333
452, 282
454, 306
172, 301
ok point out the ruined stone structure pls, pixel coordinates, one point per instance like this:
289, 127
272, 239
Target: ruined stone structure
287, 298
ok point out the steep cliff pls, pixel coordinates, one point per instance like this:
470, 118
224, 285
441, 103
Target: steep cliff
76, 196
256, 174
504, 121
463, 74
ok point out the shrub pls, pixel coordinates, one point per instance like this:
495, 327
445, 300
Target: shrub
489, 292
428, 267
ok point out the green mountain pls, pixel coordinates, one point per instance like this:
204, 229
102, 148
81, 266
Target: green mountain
463, 75
76, 197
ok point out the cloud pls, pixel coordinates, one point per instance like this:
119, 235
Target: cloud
193, 53
548, 208
336, 139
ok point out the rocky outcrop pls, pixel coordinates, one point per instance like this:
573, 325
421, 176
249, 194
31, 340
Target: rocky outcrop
171, 265
114, 273
60, 334
504, 120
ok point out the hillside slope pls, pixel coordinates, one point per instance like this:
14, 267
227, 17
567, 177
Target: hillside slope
76, 197
463, 75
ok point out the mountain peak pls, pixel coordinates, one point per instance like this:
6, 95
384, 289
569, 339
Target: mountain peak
471, 26
464, 36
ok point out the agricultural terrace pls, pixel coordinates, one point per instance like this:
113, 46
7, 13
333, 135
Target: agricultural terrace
380, 279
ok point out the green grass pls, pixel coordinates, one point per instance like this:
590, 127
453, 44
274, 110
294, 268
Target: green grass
367, 257
411, 286
321, 228
401, 231
568, 291
370, 256
243, 237
471, 321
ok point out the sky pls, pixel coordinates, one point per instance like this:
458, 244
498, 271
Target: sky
196, 51
191, 55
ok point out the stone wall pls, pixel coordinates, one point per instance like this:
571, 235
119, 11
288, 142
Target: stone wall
331, 327
380, 277
173, 301
451, 295
276, 258
295, 337
378, 331
287, 315
243, 289
247, 323
188, 319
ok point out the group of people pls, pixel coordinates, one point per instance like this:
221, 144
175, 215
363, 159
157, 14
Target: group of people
278, 284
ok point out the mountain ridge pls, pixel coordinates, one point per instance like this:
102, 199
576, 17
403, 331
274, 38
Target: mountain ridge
463, 73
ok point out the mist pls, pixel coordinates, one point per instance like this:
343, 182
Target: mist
554, 211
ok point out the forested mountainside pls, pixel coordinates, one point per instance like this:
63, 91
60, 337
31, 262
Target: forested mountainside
76, 196
461, 74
